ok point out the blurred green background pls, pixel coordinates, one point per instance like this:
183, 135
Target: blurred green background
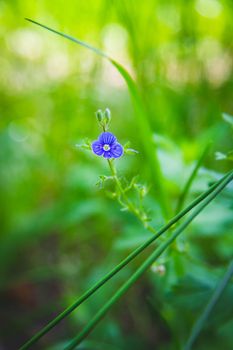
59, 231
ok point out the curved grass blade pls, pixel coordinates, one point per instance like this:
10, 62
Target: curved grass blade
200, 323
140, 114
69, 37
118, 267
147, 263
191, 178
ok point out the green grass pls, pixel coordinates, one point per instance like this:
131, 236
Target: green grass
164, 70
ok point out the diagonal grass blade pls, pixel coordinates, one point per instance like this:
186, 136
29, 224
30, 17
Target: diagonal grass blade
118, 267
200, 323
147, 263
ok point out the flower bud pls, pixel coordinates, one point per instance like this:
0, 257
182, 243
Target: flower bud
143, 191
159, 269
99, 115
107, 115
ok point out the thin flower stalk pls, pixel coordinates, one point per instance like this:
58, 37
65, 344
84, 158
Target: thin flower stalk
126, 203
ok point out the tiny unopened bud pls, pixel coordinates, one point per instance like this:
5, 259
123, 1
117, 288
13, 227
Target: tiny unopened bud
144, 217
143, 191
159, 269
107, 115
99, 115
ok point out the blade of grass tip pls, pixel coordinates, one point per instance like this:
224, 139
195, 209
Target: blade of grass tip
117, 268
200, 323
147, 263
140, 113
191, 178
71, 38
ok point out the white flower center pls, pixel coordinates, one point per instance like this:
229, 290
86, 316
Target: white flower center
106, 147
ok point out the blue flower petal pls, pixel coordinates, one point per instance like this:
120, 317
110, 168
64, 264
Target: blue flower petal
108, 154
117, 150
97, 148
107, 138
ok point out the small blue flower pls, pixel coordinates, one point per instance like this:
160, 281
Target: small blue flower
107, 146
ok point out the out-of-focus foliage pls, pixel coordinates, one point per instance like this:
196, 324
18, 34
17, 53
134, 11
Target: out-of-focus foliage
59, 232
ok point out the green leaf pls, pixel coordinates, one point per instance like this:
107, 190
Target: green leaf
220, 156
228, 118
215, 187
224, 156
230, 155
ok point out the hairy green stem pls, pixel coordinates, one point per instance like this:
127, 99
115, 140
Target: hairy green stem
147, 263
200, 323
128, 203
117, 268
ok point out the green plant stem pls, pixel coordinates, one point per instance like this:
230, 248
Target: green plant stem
200, 323
117, 268
129, 204
148, 262
191, 178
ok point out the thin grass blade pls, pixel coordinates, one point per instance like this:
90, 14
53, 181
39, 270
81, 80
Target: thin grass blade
147, 263
200, 323
191, 178
118, 267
